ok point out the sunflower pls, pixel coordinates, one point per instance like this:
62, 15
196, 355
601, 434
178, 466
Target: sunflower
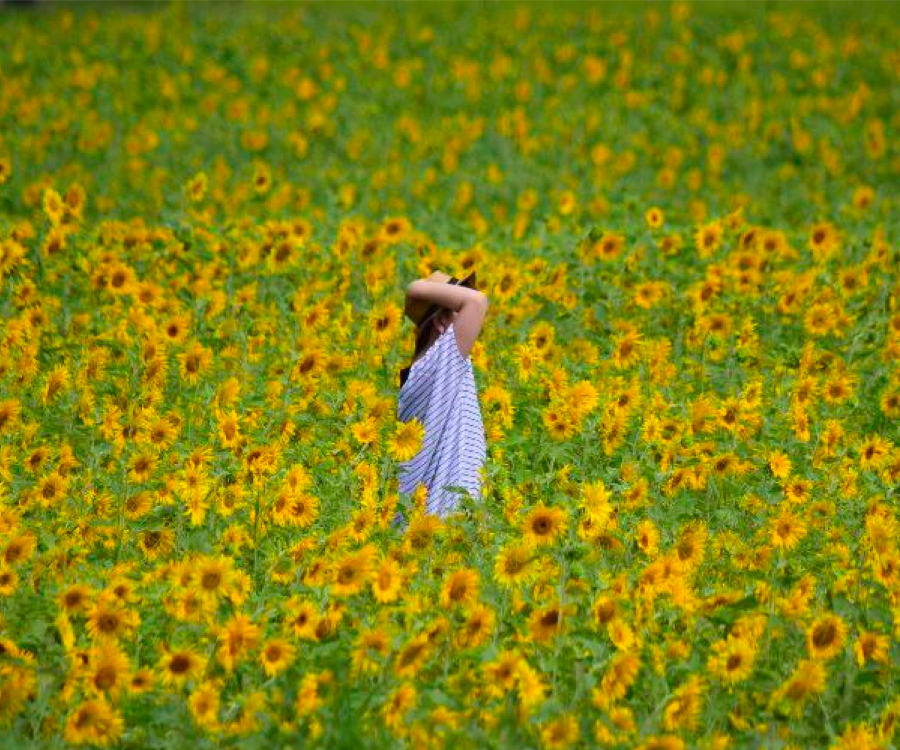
204, 704
646, 535
229, 428
94, 722
506, 285
308, 698
627, 349
278, 508
51, 489
351, 573
302, 510
444, 719
561, 732
384, 322
797, 490
53, 206
212, 577
825, 637
177, 666
621, 634
121, 278
873, 451
618, 677
237, 637
193, 487
57, 382
194, 362
412, 656
108, 618
852, 281
108, 669
527, 358
501, 674
684, 707
871, 647
514, 564
787, 530
824, 240
176, 328
161, 433
889, 402
141, 681
365, 431
369, 650
310, 363
124, 589
10, 413
400, 703
890, 469
362, 524
604, 610
670, 244
420, 534
387, 581
36, 459
654, 218
689, 549
156, 544
808, 679
648, 294
301, 617
437, 630
819, 319
708, 239
546, 623
460, 588
138, 505
568, 202
779, 464
731, 660
9, 581
285, 254
477, 628
276, 655
544, 524
283, 570
195, 188
317, 572
560, 421
75, 598
394, 230
609, 246
532, 688
407, 440
262, 172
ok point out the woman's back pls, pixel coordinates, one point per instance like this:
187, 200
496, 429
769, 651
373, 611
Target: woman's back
440, 391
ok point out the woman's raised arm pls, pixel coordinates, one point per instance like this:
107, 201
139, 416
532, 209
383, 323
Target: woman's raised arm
470, 305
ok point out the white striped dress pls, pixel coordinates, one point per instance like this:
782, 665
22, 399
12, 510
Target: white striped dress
440, 391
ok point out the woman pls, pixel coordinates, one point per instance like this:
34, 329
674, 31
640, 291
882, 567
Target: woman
438, 388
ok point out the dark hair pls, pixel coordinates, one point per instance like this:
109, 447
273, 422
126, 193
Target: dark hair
425, 336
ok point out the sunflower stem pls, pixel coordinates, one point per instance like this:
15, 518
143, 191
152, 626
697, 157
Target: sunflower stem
121, 519
256, 533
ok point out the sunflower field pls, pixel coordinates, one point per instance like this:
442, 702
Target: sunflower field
686, 218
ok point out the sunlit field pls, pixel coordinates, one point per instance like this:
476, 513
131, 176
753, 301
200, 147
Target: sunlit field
685, 217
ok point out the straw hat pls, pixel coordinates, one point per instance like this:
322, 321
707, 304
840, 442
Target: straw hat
420, 310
